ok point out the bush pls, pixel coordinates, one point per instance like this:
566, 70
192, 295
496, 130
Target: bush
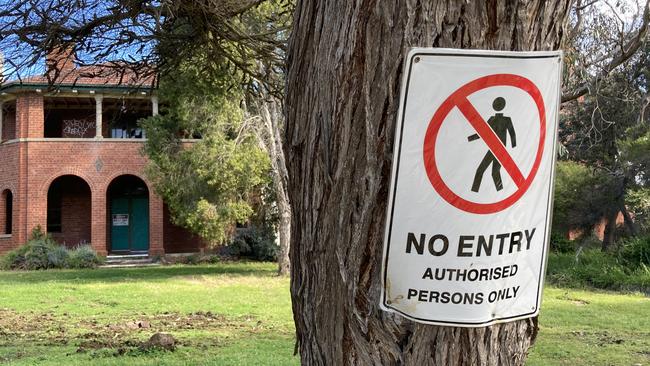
255, 243
192, 259
37, 255
32, 256
561, 244
636, 251
42, 252
58, 257
83, 256
594, 268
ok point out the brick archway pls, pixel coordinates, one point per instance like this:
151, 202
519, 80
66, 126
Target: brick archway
103, 187
6, 211
69, 210
73, 171
128, 211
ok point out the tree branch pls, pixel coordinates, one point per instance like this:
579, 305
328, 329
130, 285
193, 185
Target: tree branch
627, 51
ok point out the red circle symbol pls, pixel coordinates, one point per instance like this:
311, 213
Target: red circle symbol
459, 99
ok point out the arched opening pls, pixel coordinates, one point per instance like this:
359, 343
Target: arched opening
128, 215
69, 210
6, 212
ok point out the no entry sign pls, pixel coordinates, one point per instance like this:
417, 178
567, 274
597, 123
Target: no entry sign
471, 192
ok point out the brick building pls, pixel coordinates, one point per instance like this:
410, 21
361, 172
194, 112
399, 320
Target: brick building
71, 163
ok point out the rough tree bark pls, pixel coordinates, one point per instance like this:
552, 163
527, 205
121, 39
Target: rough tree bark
344, 68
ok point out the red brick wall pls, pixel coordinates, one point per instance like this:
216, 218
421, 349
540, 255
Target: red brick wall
30, 115
97, 163
9, 125
29, 167
75, 214
178, 239
9, 181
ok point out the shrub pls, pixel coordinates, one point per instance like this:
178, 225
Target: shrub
33, 255
636, 251
84, 256
192, 259
14, 259
255, 243
561, 244
42, 252
58, 257
594, 268
37, 255
214, 259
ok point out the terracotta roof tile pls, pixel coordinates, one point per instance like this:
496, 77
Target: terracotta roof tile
102, 74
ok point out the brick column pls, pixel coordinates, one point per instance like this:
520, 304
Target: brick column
98, 226
30, 116
36, 211
2, 105
156, 246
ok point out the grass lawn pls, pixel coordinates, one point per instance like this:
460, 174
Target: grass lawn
240, 314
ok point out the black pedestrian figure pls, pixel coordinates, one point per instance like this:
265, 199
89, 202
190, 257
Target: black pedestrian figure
501, 126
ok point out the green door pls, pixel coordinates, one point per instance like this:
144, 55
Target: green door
140, 224
120, 219
129, 224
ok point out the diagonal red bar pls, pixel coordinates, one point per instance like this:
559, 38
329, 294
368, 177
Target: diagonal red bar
494, 144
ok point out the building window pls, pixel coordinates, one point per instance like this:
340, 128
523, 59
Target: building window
54, 211
126, 133
8, 199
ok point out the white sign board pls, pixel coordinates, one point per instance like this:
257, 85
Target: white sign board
121, 220
472, 184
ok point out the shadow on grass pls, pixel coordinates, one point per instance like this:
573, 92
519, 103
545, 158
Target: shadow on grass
160, 273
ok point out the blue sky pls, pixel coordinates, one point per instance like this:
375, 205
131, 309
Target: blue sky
19, 53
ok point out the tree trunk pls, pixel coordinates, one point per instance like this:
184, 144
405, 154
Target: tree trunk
610, 229
271, 140
344, 71
628, 220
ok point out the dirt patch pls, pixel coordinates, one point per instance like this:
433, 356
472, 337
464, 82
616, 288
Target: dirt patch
120, 336
574, 300
162, 341
599, 338
646, 354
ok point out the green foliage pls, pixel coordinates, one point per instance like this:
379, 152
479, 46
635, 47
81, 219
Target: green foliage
34, 255
255, 242
83, 256
42, 252
607, 131
38, 233
560, 244
636, 251
207, 185
192, 259
575, 206
638, 202
594, 268
58, 257
635, 151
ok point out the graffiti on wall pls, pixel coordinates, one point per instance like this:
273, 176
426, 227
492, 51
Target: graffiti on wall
76, 127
